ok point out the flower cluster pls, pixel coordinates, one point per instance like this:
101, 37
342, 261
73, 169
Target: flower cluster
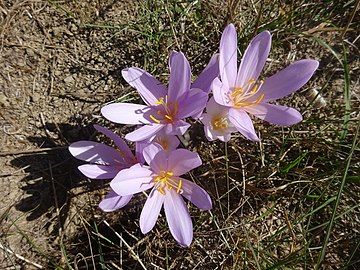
227, 93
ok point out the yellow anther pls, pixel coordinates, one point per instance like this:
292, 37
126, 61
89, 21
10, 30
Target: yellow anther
168, 117
179, 186
157, 121
219, 123
160, 101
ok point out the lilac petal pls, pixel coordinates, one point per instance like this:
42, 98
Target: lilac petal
197, 195
151, 211
148, 87
181, 161
133, 180
139, 147
124, 149
207, 76
254, 59
159, 162
275, 114
220, 92
171, 58
180, 76
177, 128
144, 132
288, 80
113, 201
95, 171
214, 108
193, 104
228, 56
178, 218
150, 151
243, 123
95, 152
125, 113
167, 142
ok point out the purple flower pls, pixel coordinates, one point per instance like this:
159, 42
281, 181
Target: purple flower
216, 122
105, 163
243, 93
163, 176
165, 109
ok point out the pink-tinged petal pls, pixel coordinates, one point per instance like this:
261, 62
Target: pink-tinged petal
193, 104
228, 56
180, 77
214, 108
95, 152
207, 76
149, 88
151, 211
254, 59
167, 142
182, 161
178, 218
220, 92
177, 128
113, 201
195, 194
144, 132
133, 180
288, 80
95, 171
275, 114
242, 122
150, 151
125, 113
120, 143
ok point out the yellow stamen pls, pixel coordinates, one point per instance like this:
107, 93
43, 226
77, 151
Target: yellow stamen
154, 119
165, 180
179, 186
168, 117
160, 101
219, 123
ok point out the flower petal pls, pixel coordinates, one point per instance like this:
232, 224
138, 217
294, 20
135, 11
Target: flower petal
150, 151
181, 161
119, 142
159, 162
254, 59
95, 152
125, 113
148, 87
133, 180
207, 76
228, 56
220, 92
288, 80
113, 201
275, 114
193, 104
139, 147
151, 211
95, 171
197, 195
178, 218
177, 128
243, 123
180, 77
144, 132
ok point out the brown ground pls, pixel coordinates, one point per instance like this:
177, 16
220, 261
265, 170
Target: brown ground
61, 61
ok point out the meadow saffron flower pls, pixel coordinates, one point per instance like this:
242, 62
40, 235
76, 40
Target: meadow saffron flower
162, 140
244, 93
163, 176
105, 162
165, 109
216, 122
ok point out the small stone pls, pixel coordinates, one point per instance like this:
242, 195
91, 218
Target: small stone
3, 100
69, 79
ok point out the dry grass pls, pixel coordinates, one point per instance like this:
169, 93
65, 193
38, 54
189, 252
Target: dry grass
290, 202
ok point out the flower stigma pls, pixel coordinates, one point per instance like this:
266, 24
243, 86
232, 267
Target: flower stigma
167, 111
165, 180
239, 95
